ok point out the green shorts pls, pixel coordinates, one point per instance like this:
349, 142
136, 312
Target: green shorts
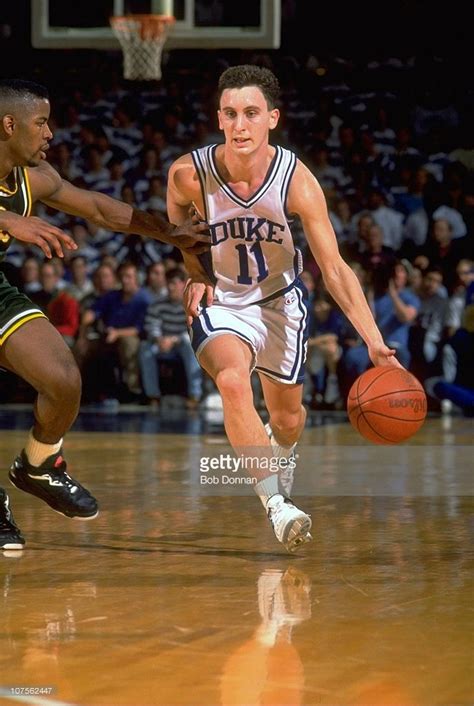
15, 309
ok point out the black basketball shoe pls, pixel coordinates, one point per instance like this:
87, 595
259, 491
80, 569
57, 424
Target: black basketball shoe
10, 535
51, 483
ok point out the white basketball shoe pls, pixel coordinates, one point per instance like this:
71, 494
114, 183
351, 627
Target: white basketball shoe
290, 524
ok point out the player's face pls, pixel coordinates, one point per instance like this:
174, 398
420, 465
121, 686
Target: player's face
245, 118
32, 134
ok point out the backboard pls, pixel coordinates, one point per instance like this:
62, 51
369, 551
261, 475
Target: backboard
200, 24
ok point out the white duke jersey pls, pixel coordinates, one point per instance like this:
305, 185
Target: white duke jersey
252, 250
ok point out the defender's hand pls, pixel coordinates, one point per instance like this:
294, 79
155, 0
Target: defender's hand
192, 236
30, 229
193, 294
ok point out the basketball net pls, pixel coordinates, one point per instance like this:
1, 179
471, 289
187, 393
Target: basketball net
142, 38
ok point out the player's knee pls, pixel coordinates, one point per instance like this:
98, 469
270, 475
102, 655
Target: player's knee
65, 384
233, 384
286, 421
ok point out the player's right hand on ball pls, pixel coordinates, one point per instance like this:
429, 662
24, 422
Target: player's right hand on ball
380, 354
31, 229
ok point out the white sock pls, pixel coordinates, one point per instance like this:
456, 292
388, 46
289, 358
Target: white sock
37, 452
267, 488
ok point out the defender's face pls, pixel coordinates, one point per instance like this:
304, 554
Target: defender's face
245, 118
31, 134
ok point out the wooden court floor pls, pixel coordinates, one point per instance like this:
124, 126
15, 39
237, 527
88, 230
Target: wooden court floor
180, 595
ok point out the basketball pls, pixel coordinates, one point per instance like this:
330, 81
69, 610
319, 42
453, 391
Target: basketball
386, 405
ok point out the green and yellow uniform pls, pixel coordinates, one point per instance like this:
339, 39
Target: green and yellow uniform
15, 308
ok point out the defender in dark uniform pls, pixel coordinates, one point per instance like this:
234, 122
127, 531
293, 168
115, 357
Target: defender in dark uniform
29, 345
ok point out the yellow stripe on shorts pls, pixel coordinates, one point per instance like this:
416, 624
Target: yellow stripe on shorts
20, 322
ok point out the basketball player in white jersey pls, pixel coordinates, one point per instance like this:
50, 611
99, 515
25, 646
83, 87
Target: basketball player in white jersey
255, 314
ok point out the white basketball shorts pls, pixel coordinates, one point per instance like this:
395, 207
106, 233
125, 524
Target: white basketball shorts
275, 329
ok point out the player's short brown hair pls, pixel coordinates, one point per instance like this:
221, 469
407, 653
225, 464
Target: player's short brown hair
249, 75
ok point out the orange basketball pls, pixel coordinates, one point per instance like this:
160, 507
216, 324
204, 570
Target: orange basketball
386, 405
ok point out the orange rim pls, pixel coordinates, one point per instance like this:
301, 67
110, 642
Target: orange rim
150, 26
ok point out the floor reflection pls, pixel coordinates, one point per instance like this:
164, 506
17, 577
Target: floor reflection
267, 668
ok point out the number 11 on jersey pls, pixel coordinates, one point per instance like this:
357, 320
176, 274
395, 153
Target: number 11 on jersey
256, 250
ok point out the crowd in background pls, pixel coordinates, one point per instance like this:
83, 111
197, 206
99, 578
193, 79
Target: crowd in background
395, 159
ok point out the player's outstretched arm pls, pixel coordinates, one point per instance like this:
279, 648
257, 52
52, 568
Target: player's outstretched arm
112, 214
306, 198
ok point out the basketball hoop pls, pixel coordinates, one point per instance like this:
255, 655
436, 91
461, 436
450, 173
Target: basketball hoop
142, 38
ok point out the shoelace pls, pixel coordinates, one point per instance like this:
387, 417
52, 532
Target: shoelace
66, 480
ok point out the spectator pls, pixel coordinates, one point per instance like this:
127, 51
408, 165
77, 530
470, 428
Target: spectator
60, 269
360, 225
156, 196
415, 277
375, 253
59, 306
168, 338
415, 232
454, 218
324, 349
121, 314
330, 178
457, 301
445, 252
387, 218
148, 167
86, 245
95, 172
167, 151
104, 280
128, 195
93, 134
114, 182
125, 132
155, 283
81, 285
466, 209
63, 162
456, 385
360, 272
29, 274
142, 253
426, 333
411, 199
340, 216
95, 242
